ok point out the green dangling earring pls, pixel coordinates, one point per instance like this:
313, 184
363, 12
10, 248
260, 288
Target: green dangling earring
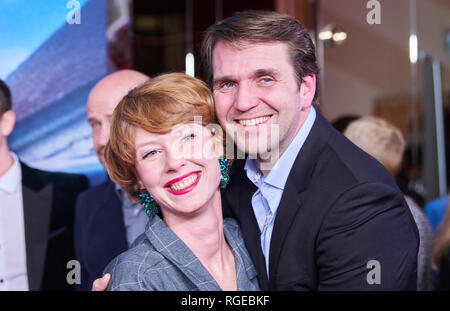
224, 172
148, 203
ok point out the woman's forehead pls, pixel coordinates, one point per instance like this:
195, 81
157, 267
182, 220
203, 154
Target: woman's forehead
177, 131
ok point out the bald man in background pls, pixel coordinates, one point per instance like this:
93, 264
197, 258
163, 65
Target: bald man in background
106, 221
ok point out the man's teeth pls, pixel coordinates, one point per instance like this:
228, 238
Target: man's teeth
184, 183
253, 122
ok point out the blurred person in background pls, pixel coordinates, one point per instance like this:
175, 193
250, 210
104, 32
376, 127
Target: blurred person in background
440, 257
342, 122
385, 143
106, 221
36, 217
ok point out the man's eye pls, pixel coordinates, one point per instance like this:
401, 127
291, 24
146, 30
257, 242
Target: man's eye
227, 85
266, 79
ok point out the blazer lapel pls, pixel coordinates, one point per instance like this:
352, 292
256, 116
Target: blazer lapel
169, 245
252, 234
295, 188
108, 226
239, 193
289, 206
37, 209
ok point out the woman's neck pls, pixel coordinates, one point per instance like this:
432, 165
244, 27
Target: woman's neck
203, 234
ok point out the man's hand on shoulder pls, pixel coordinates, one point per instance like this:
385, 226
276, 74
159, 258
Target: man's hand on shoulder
101, 284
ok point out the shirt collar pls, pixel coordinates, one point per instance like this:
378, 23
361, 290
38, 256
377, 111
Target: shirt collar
118, 190
123, 197
280, 172
12, 179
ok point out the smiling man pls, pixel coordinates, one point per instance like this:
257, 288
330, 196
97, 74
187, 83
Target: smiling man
316, 212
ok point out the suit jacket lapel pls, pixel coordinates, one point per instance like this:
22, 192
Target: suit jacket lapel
108, 226
289, 206
37, 209
239, 194
252, 234
296, 185
169, 245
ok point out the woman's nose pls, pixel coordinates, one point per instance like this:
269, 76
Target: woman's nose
174, 160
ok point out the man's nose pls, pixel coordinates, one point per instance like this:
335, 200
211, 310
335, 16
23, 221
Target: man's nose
103, 138
246, 97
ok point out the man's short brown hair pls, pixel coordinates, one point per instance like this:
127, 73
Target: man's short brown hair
259, 27
5, 98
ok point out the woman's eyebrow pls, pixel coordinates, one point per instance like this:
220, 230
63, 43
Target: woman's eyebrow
145, 144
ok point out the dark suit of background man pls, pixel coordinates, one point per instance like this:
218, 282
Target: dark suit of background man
36, 217
106, 221
316, 212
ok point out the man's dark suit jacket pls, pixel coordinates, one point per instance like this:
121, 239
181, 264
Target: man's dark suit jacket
100, 233
48, 206
340, 209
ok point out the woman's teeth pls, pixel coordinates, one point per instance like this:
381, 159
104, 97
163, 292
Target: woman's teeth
184, 183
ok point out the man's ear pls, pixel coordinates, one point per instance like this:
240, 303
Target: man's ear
307, 90
7, 121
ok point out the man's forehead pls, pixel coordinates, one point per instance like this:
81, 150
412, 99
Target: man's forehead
101, 106
98, 115
252, 57
243, 45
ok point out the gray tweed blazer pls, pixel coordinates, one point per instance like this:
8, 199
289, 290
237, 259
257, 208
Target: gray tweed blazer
159, 260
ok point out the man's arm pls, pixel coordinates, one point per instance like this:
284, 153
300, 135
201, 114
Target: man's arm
100, 285
368, 241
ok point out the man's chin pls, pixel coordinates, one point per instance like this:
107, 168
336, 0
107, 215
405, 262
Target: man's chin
262, 153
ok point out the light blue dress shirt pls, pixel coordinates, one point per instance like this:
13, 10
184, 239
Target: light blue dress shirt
266, 199
134, 217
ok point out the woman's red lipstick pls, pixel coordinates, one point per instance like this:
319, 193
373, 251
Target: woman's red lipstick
185, 190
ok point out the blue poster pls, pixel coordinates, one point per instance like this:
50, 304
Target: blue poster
52, 52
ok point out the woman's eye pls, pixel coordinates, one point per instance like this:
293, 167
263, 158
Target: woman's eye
150, 154
189, 137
